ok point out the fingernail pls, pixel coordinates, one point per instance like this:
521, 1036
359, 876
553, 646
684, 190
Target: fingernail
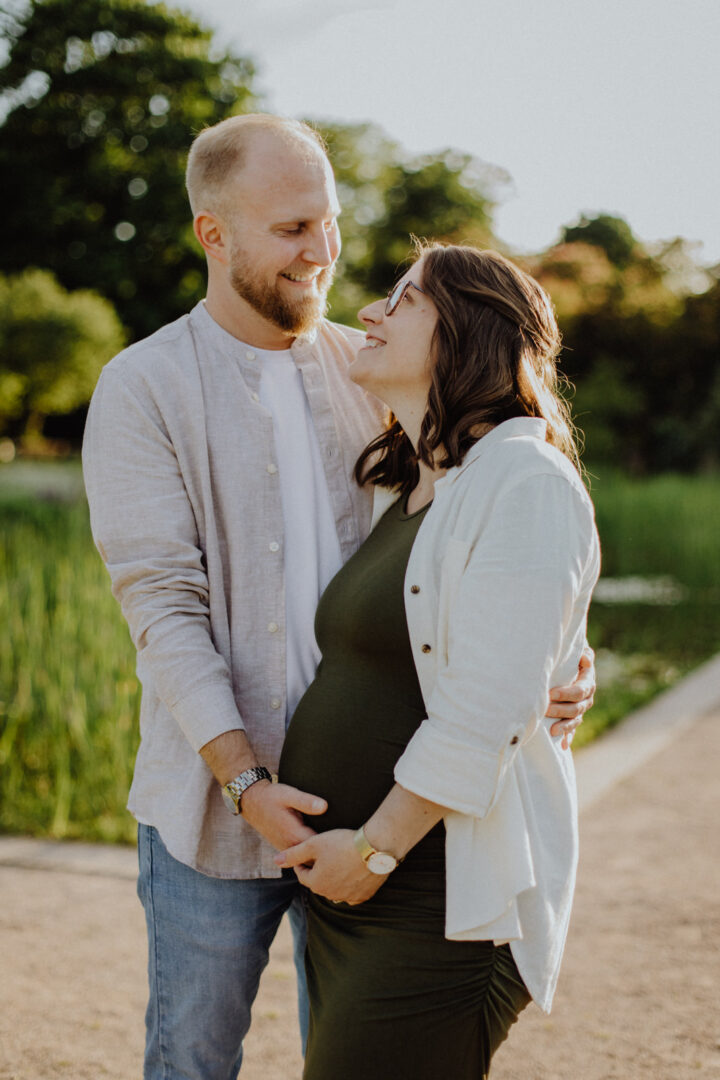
279, 859
318, 804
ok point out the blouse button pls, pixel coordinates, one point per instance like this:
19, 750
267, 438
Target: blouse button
271, 468
414, 588
273, 545
273, 627
275, 703
425, 648
514, 741
250, 355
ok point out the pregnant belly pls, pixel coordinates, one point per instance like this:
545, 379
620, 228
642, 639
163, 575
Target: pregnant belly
343, 743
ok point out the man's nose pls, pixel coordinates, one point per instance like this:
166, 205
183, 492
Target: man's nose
319, 250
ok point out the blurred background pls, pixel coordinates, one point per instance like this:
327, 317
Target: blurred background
579, 139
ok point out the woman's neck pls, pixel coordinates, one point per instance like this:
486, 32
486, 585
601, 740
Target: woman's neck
424, 490
410, 415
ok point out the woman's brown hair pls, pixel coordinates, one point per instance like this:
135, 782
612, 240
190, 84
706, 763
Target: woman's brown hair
493, 355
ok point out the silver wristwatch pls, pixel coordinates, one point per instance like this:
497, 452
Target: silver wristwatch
232, 793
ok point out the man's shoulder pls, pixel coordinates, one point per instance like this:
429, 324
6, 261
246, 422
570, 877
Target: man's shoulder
166, 347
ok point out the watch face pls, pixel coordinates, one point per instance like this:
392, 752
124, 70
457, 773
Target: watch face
230, 802
381, 863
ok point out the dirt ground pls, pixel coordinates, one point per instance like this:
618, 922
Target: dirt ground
637, 998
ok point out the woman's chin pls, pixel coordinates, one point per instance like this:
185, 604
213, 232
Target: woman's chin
360, 373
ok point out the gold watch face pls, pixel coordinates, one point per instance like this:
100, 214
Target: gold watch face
380, 862
231, 801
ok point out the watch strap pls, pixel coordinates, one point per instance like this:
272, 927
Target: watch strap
366, 850
233, 791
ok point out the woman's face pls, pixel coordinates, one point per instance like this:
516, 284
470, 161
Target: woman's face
395, 364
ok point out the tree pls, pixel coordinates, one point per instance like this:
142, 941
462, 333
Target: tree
53, 345
612, 234
387, 195
636, 348
102, 98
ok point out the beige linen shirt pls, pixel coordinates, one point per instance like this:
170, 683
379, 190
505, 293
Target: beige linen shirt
182, 481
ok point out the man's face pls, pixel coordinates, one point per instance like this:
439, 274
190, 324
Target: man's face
284, 235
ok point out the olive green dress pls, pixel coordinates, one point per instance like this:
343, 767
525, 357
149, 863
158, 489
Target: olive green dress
390, 997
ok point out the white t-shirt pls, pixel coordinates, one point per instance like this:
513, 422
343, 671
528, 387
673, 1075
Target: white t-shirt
312, 549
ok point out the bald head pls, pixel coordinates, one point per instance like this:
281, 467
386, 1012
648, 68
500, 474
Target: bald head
220, 154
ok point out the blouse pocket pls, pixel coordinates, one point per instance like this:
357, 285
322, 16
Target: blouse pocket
455, 559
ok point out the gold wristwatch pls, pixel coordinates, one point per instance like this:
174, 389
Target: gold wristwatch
377, 862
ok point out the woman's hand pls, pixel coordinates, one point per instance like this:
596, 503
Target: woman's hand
570, 703
330, 865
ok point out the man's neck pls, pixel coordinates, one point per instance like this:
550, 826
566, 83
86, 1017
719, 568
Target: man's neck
238, 318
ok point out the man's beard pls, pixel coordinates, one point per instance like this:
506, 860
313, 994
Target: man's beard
295, 317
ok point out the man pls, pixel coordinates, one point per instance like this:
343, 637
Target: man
218, 458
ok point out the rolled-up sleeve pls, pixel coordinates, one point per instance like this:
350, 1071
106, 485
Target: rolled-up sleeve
507, 633
145, 530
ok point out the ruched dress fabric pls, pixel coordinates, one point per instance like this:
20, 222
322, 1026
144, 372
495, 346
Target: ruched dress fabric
390, 997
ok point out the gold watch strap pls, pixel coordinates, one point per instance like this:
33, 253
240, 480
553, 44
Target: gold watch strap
365, 848
363, 845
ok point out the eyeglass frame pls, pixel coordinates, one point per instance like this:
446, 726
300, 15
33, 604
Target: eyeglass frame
404, 287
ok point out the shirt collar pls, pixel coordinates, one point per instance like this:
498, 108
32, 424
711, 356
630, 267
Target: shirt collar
208, 325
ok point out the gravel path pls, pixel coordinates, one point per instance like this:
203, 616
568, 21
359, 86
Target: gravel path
637, 997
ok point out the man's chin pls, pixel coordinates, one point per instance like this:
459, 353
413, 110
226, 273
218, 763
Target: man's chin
304, 315
285, 305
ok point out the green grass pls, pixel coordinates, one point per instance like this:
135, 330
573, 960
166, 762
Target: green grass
666, 526
68, 693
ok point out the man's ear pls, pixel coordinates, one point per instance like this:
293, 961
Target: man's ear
211, 234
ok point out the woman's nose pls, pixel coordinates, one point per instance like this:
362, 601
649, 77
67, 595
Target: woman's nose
372, 313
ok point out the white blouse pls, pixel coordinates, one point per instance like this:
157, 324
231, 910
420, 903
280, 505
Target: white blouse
497, 591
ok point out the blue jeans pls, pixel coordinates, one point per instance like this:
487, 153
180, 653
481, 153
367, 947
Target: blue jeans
208, 945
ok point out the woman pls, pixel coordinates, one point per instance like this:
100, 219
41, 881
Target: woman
432, 925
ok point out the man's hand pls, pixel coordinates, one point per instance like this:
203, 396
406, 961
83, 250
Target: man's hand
329, 864
276, 812
570, 703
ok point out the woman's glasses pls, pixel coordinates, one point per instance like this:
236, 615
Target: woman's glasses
395, 295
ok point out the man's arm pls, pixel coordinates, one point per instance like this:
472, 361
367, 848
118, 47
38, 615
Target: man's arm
145, 530
274, 810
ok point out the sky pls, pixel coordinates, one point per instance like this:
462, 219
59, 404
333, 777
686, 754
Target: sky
589, 105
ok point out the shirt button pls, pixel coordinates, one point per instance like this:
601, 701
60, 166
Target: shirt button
414, 588
425, 648
256, 396
272, 469
273, 627
274, 546
514, 741
250, 355
275, 702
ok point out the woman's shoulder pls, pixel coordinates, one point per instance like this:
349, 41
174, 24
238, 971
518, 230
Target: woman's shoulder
516, 451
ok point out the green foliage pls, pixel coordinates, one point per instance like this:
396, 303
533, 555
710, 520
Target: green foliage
387, 196
642, 355
664, 527
104, 96
68, 692
53, 345
612, 234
